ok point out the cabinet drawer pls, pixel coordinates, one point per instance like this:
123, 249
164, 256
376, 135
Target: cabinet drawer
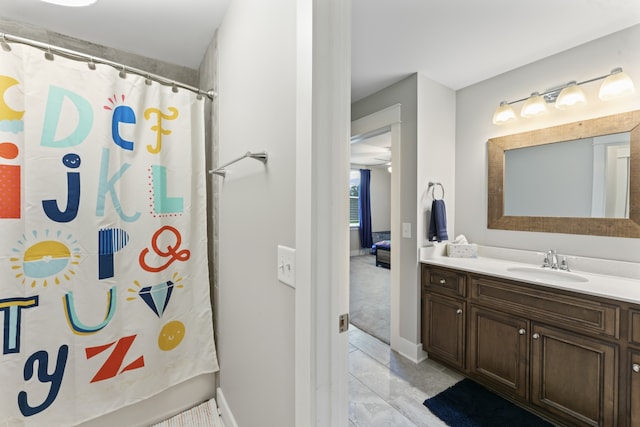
443, 281
583, 314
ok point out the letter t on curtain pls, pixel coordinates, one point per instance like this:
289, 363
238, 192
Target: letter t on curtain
366, 240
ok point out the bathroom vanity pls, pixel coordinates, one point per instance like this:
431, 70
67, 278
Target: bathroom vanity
566, 345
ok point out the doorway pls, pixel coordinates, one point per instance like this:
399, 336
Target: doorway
387, 121
369, 272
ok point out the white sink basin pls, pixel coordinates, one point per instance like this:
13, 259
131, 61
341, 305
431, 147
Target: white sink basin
539, 273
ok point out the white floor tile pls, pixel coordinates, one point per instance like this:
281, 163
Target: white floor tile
385, 389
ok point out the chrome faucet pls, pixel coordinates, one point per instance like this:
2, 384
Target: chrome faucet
551, 260
564, 264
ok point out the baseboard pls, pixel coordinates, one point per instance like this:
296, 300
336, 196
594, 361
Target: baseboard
225, 411
358, 252
408, 349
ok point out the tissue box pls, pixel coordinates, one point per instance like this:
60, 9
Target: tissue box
462, 250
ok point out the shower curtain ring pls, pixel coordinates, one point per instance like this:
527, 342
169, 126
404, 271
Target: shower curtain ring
5, 46
48, 55
91, 64
123, 73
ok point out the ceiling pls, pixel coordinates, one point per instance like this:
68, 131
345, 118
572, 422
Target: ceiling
454, 42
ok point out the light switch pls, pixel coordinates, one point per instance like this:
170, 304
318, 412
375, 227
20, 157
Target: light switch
287, 265
406, 230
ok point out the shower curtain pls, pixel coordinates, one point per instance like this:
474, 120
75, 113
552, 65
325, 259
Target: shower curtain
104, 285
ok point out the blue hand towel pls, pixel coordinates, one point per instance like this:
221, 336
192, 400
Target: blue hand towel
438, 221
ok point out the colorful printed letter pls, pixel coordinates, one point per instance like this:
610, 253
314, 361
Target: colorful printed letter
12, 308
111, 366
107, 185
77, 327
162, 203
158, 128
9, 183
122, 114
110, 241
6, 112
55, 101
50, 207
42, 357
171, 252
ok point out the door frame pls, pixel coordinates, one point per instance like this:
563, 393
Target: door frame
323, 106
388, 119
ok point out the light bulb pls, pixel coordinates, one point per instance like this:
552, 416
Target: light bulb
570, 96
534, 105
616, 85
504, 113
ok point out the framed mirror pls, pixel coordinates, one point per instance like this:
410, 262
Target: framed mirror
576, 178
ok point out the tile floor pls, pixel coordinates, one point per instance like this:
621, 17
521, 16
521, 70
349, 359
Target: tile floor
385, 389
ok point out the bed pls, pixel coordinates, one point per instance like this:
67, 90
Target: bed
382, 251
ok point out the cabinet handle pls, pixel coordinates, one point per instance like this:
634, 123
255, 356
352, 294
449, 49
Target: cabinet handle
521, 331
442, 281
535, 336
636, 367
459, 311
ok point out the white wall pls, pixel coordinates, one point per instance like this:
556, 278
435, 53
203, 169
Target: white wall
475, 106
427, 153
257, 111
380, 199
436, 153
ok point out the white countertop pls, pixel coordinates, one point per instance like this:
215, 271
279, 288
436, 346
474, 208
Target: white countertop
617, 280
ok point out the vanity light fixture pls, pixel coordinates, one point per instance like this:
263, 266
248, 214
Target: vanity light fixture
534, 105
504, 113
570, 96
616, 84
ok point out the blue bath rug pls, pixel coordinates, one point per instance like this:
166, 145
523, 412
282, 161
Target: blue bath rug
468, 404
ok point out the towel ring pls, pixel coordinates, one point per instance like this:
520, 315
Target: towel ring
432, 186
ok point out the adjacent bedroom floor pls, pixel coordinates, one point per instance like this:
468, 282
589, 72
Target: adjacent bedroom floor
369, 295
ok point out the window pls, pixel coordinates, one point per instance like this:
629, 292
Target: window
354, 191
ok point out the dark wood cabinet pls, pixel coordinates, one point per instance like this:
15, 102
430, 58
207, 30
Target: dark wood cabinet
499, 349
557, 352
574, 377
443, 328
633, 375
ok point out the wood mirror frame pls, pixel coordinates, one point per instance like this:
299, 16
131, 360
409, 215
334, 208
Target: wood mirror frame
618, 227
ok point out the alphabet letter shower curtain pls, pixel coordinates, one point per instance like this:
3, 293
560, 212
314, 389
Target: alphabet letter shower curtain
104, 284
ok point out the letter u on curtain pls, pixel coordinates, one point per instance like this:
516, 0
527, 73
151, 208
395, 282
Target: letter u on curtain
104, 284
364, 199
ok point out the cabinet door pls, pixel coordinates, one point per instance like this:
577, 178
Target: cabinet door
443, 328
498, 349
634, 388
574, 377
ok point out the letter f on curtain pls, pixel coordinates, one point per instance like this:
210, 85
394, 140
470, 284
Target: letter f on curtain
364, 199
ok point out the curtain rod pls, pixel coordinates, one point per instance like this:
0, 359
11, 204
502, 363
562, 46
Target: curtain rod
49, 50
